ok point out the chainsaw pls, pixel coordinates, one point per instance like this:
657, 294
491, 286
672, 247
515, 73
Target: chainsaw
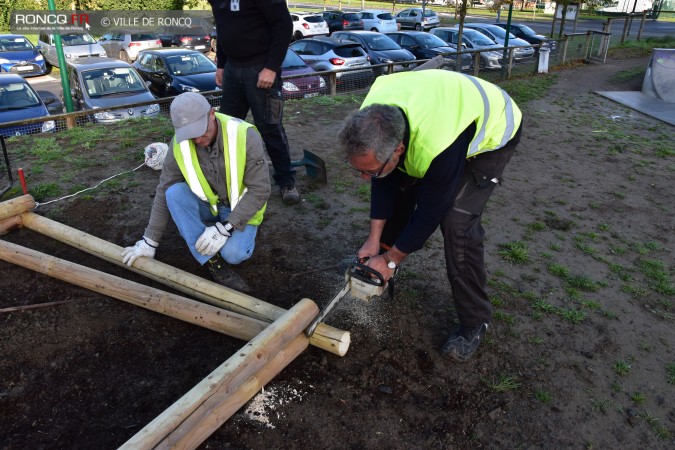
361, 282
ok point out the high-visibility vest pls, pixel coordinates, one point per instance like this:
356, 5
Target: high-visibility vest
439, 105
234, 152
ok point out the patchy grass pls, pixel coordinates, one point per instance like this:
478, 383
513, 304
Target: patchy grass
515, 252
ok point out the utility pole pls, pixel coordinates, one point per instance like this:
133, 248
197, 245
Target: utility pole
63, 70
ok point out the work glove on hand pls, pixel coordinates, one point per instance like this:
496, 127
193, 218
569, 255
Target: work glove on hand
212, 239
144, 247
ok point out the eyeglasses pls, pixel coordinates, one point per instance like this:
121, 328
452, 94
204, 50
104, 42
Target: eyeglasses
371, 174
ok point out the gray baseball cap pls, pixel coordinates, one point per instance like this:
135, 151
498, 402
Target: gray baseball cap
190, 115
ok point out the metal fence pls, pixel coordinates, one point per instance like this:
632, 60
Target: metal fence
571, 47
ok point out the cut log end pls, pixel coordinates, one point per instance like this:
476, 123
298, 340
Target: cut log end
10, 224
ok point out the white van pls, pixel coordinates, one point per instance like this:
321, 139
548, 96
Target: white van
75, 45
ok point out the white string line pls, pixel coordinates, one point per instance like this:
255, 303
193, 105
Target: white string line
89, 188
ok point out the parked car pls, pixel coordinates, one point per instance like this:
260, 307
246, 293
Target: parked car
308, 25
498, 34
306, 86
75, 45
172, 71
18, 101
332, 54
380, 48
105, 82
380, 21
522, 31
473, 40
18, 55
426, 46
413, 18
126, 45
190, 38
340, 20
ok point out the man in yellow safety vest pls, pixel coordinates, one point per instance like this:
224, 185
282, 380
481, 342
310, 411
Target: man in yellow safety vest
214, 185
434, 144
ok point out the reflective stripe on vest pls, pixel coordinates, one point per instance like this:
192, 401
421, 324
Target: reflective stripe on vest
190, 174
508, 116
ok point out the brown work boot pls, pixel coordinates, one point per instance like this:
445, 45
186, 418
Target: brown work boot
222, 273
290, 195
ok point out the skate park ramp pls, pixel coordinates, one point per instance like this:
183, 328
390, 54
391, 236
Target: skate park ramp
657, 98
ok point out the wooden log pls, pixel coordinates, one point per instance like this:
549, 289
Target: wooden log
325, 337
196, 415
9, 224
16, 206
192, 311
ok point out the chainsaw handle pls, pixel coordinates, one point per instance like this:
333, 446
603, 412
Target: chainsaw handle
366, 274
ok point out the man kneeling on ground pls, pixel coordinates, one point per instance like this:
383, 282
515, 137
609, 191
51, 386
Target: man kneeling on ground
214, 185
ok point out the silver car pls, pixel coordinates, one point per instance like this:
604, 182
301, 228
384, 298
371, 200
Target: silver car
323, 54
126, 45
473, 40
75, 45
498, 34
413, 18
98, 83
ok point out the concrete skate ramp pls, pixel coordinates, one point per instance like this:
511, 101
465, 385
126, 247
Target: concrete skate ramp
659, 80
657, 98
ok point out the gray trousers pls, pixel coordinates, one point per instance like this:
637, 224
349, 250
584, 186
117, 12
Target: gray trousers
462, 231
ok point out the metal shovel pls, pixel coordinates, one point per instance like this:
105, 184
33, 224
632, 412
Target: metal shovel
315, 166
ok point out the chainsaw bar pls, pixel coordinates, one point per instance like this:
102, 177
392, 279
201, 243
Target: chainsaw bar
361, 282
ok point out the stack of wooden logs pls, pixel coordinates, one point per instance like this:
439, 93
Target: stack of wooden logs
275, 336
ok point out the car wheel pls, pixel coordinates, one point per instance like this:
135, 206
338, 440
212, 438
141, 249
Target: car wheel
297, 36
48, 68
124, 56
375, 30
418, 27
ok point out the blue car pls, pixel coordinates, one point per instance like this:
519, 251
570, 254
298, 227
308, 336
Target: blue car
18, 55
18, 101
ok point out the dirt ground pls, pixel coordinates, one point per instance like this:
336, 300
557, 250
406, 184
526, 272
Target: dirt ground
580, 353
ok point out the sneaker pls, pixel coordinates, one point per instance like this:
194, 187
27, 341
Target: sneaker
223, 274
290, 195
463, 342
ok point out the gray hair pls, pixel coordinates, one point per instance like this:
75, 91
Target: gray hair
376, 127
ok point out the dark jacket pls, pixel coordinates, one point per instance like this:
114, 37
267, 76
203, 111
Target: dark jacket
258, 33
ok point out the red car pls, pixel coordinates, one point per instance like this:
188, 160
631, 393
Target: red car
301, 87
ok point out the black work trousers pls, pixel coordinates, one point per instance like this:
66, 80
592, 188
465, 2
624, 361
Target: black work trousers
240, 93
462, 231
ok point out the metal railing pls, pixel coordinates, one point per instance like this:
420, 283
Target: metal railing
359, 78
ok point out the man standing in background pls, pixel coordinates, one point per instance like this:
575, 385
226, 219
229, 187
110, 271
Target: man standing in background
253, 38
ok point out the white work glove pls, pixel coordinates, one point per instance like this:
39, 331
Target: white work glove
212, 239
144, 247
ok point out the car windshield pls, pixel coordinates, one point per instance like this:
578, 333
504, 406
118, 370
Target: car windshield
477, 38
77, 39
17, 96
13, 44
351, 16
292, 60
380, 42
190, 64
385, 16
499, 32
313, 19
144, 37
429, 13
430, 41
113, 81
527, 30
